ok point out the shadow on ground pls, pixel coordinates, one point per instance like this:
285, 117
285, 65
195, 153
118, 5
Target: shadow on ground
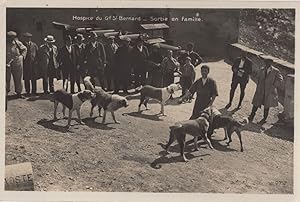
153, 117
164, 159
50, 125
92, 123
40, 97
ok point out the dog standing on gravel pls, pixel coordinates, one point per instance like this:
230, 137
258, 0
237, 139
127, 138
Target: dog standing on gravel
71, 101
110, 103
230, 125
160, 94
196, 127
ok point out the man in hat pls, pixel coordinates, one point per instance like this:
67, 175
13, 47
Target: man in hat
241, 68
122, 67
29, 68
195, 57
79, 46
68, 63
48, 64
95, 59
169, 65
140, 56
155, 71
269, 79
15, 54
110, 49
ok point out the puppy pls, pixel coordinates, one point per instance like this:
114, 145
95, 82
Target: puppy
230, 126
160, 94
197, 128
72, 101
108, 102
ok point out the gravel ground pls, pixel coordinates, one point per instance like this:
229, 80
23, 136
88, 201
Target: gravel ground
128, 157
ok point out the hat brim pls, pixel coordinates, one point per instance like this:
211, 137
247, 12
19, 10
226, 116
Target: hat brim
46, 40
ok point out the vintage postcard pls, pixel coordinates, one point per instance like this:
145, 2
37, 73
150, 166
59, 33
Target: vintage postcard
132, 101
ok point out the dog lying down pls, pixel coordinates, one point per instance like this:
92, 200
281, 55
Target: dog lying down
110, 103
71, 101
160, 94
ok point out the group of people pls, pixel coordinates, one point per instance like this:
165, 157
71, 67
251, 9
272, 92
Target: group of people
114, 65
269, 80
127, 63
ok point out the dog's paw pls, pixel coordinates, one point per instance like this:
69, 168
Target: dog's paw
81, 123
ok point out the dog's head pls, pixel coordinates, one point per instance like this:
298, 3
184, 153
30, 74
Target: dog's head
119, 101
86, 95
173, 88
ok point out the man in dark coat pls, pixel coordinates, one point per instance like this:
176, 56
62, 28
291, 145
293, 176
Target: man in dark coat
140, 56
47, 63
155, 70
94, 58
195, 57
29, 66
68, 62
122, 67
110, 50
206, 89
79, 46
241, 68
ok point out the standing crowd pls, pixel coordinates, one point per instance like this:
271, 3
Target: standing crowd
112, 65
115, 64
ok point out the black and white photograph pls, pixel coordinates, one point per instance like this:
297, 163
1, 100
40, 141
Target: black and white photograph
150, 100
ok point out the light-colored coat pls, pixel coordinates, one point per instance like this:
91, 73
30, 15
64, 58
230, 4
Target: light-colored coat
266, 89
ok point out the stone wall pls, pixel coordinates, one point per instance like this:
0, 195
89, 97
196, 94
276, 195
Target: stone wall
286, 92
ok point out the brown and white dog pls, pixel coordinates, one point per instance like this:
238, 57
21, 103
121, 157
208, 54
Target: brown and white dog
160, 94
198, 128
71, 101
110, 103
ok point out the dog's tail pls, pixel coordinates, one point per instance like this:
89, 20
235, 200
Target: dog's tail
138, 89
244, 122
88, 84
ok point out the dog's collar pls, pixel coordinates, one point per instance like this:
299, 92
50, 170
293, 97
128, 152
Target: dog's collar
79, 97
169, 90
205, 115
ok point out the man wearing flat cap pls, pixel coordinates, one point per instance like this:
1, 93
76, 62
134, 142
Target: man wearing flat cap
94, 58
68, 62
47, 63
29, 69
15, 54
140, 56
110, 49
269, 79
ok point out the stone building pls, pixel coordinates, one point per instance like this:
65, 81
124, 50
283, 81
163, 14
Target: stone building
211, 30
